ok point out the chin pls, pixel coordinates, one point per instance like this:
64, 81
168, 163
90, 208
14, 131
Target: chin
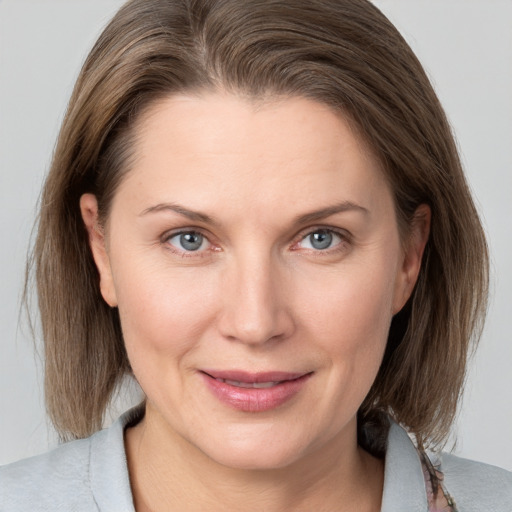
251, 451
257, 459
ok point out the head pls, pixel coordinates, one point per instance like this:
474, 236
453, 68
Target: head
343, 55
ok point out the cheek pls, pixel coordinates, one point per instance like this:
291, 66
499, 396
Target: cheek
355, 329
353, 306
163, 313
349, 319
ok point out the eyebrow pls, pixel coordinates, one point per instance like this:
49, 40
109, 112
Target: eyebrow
301, 219
181, 210
342, 207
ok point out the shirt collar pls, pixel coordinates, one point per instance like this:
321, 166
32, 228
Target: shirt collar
404, 484
109, 477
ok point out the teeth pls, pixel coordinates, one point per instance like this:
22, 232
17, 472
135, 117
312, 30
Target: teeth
261, 385
256, 385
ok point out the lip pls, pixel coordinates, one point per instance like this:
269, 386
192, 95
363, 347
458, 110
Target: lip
234, 388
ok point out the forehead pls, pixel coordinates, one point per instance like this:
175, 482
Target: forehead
211, 148
219, 117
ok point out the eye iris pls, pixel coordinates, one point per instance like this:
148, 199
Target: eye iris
191, 241
321, 239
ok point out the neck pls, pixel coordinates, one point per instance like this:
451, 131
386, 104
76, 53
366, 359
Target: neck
338, 476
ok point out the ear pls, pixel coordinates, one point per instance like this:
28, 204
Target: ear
414, 247
89, 210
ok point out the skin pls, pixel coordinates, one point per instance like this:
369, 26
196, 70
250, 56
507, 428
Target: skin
256, 296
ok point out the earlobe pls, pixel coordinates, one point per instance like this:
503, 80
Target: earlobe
89, 211
414, 248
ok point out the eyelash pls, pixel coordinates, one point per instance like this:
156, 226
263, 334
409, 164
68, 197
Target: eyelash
344, 237
344, 240
184, 253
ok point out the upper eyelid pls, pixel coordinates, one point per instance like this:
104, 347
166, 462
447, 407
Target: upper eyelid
165, 237
182, 252
181, 231
345, 240
303, 233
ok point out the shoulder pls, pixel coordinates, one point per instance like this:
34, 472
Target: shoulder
87, 475
476, 486
57, 480
473, 486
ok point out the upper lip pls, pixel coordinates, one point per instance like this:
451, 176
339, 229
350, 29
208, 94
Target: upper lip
250, 377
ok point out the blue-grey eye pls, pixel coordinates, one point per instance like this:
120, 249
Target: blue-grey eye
320, 240
188, 241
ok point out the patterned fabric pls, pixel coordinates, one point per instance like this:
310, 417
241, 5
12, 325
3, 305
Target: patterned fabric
439, 500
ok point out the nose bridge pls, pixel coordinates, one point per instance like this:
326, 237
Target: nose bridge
254, 310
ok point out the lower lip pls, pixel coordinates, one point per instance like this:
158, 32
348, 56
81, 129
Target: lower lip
255, 399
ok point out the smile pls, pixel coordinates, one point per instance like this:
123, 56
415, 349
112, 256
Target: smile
250, 392
254, 385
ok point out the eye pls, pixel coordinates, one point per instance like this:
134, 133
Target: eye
320, 240
189, 241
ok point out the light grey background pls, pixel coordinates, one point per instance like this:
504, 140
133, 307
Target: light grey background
466, 46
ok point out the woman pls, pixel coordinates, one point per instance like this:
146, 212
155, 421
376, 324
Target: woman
258, 210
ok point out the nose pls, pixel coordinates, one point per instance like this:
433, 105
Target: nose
255, 309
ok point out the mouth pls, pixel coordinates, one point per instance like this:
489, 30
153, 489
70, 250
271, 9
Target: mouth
249, 385
254, 392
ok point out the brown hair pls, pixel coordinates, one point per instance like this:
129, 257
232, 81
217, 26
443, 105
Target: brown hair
343, 53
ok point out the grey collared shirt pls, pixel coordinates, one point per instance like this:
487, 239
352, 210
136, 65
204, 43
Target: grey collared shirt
92, 475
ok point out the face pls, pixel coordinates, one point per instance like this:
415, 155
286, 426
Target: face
254, 256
